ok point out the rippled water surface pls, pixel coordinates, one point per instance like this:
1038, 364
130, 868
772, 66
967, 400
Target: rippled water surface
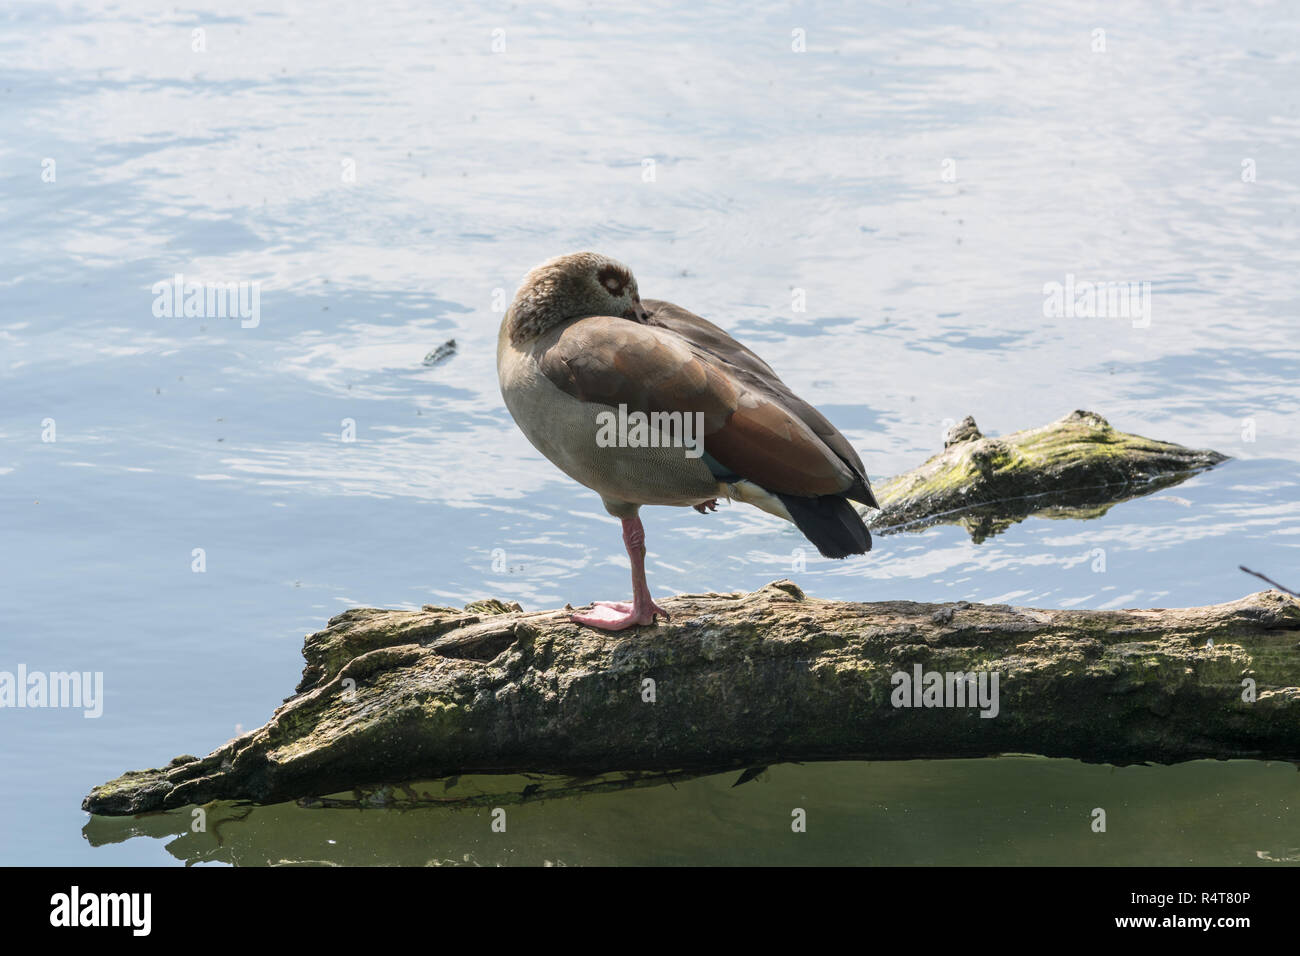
829, 171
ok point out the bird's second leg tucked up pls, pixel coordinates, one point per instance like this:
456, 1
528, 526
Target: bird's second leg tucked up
620, 615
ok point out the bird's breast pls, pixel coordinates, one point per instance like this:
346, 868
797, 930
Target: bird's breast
601, 446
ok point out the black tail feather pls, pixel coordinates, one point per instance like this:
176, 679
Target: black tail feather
829, 522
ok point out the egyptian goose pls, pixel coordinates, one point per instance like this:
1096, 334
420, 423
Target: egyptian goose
648, 404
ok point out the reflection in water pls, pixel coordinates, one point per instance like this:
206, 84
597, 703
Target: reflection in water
1009, 810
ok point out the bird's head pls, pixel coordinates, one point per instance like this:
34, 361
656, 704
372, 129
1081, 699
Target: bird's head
571, 287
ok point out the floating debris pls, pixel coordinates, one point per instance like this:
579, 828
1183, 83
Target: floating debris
443, 352
1076, 467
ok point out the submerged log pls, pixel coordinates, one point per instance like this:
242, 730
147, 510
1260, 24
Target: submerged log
1077, 467
746, 680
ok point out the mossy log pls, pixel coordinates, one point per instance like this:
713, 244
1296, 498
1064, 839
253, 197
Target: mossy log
746, 680
739, 680
1077, 467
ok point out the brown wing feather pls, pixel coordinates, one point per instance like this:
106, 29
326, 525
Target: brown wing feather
758, 375
654, 369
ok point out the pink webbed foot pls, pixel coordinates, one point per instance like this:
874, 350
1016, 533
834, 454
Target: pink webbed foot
619, 615
704, 507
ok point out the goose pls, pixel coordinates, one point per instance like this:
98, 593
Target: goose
646, 403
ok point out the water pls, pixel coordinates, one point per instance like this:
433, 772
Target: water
773, 171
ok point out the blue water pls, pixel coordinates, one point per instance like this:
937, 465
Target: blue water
773, 171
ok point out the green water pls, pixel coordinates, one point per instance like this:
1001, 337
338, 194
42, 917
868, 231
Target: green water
1011, 810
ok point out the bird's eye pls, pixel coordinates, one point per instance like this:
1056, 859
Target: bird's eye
613, 280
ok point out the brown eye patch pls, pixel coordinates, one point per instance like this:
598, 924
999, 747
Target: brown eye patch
614, 279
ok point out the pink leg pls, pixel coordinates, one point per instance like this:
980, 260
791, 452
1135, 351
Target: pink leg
620, 615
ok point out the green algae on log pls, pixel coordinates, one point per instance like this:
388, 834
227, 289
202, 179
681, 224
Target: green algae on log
746, 680
1073, 468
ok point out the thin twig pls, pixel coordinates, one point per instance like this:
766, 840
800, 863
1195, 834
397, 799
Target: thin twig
1262, 577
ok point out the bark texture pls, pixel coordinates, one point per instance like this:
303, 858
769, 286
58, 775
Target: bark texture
1077, 467
745, 680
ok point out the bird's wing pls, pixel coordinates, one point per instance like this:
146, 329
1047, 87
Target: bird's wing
749, 432
758, 375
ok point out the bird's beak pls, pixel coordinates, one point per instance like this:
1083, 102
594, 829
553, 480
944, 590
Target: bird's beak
637, 312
